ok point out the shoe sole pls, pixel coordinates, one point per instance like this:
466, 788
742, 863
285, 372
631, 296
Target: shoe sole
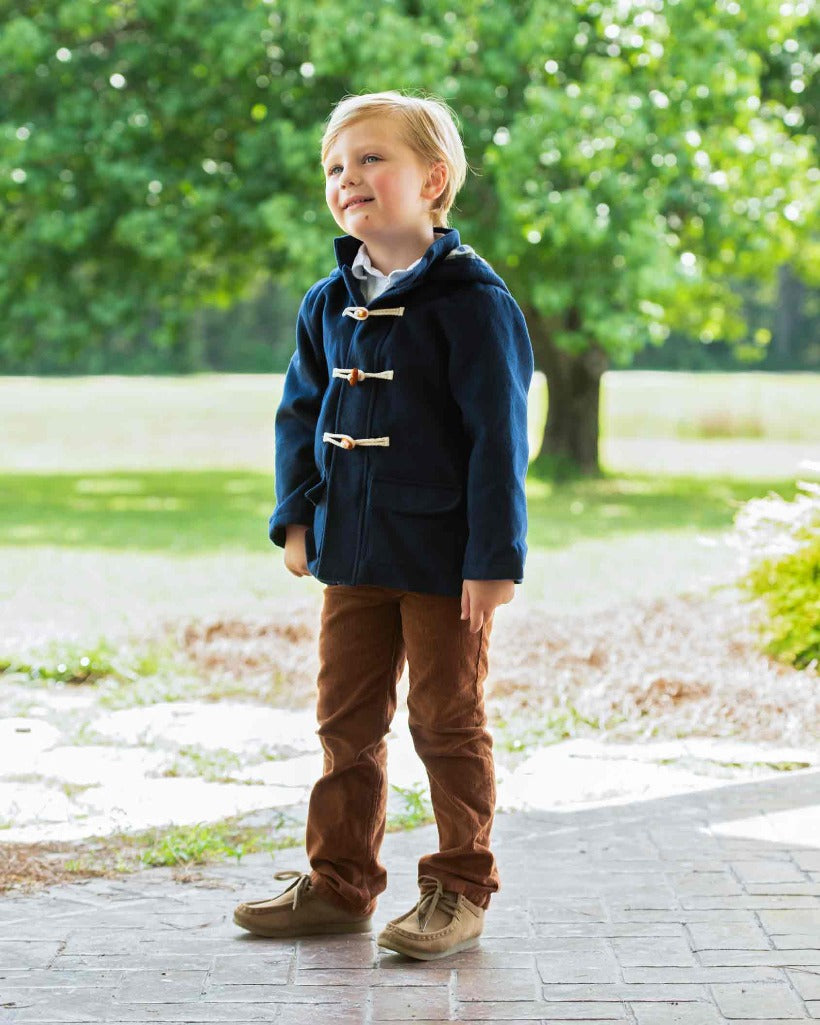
319, 929
427, 955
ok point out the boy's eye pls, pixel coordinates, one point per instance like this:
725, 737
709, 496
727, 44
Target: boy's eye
370, 156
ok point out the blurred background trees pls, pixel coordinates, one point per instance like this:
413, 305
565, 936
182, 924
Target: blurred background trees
646, 179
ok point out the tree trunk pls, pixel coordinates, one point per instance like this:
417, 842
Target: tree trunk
570, 441
790, 295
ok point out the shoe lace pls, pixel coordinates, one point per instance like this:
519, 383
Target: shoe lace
299, 888
438, 897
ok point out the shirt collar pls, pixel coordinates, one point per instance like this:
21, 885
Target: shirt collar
362, 266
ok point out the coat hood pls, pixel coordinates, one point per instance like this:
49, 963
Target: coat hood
446, 260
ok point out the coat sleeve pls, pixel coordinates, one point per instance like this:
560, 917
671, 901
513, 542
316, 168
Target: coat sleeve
306, 382
490, 370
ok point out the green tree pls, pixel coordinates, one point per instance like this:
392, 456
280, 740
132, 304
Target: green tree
633, 161
644, 171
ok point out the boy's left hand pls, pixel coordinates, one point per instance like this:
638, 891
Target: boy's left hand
479, 599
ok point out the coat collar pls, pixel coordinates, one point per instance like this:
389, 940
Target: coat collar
346, 247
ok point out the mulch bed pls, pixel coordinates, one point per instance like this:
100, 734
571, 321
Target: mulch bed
683, 665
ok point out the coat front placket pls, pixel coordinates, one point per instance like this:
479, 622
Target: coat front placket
355, 441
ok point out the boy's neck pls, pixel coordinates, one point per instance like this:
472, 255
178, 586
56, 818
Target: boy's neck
392, 254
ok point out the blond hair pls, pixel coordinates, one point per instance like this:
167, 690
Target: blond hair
426, 124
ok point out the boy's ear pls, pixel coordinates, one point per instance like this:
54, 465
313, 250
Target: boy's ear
436, 180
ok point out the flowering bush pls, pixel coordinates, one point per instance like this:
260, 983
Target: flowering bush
779, 545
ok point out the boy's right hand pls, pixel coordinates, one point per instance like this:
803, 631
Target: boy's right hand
295, 550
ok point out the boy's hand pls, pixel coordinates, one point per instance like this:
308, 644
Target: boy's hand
295, 551
479, 599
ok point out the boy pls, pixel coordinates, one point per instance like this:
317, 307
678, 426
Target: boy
401, 454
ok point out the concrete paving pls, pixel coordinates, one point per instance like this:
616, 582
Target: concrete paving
694, 909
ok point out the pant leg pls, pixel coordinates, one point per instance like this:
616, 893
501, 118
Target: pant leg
448, 666
362, 656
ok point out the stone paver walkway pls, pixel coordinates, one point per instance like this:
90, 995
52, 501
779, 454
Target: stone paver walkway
666, 912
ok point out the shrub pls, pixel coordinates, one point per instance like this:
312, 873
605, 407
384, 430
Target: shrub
779, 542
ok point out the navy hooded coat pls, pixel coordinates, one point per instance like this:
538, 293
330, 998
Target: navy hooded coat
412, 476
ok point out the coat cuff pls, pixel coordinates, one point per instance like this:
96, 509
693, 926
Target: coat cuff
294, 512
510, 568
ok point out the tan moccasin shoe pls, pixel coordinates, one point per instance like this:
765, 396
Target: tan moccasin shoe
297, 911
442, 922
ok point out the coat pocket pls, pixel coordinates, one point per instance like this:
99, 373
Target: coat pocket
416, 531
413, 499
316, 493
315, 535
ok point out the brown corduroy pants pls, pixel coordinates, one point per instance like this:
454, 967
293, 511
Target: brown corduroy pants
366, 634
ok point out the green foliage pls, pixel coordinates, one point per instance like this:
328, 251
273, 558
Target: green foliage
780, 544
523, 734
197, 844
133, 171
215, 765
163, 154
194, 844
783, 332
417, 808
76, 664
790, 588
254, 336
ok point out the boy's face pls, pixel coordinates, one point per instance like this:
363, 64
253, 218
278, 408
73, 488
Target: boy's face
368, 159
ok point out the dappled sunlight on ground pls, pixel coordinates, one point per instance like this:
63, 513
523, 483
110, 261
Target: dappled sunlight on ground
585, 773
791, 826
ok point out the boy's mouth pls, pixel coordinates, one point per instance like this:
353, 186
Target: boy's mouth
356, 202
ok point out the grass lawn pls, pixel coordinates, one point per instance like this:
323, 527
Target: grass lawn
210, 511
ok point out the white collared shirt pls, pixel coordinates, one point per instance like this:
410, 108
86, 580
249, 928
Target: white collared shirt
373, 281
